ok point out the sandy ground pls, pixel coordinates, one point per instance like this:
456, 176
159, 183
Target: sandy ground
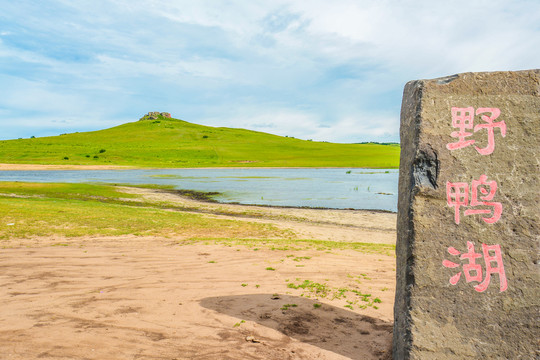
335, 225
153, 298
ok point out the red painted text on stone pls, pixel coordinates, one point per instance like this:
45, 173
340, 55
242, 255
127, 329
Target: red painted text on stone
463, 120
481, 194
493, 263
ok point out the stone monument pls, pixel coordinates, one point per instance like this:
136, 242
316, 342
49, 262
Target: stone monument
469, 218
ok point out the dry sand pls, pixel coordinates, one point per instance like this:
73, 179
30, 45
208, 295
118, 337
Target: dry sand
152, 298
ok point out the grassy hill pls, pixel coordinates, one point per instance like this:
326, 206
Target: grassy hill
172, 143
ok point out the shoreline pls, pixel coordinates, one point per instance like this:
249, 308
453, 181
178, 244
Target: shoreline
206, 197
341, 225
202, 196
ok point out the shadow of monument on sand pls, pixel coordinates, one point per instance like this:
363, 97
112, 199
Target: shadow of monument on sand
327, 327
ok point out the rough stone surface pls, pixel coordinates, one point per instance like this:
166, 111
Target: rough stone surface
154, 115
435, 319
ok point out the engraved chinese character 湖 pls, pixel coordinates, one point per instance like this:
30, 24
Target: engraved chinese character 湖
493, 262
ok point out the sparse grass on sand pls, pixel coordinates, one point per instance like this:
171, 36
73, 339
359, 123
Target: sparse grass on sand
70, 210
65, 210
110, 271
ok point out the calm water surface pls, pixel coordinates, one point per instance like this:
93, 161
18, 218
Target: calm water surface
328, 188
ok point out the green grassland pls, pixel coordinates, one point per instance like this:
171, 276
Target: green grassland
172, 143
69, 210
61, 211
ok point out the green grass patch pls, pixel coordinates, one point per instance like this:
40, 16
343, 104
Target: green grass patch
318, 289
175, 143
288, 306
148, 186
239, 323
300, 258
71, 210
323, 290
64, 190
291, 244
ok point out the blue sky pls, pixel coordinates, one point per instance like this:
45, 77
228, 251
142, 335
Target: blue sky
321, 70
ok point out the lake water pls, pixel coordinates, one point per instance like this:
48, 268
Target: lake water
327, 188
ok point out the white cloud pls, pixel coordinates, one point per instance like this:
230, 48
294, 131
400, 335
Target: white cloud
275, 120
35, 96
318, 69
364, 127
426, 37
309, 125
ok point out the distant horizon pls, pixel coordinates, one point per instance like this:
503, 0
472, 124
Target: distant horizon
318, 70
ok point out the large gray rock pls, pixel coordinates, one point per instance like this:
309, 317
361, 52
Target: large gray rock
154, 115
469, 218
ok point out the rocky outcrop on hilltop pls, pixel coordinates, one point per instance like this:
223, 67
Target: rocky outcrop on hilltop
154, 115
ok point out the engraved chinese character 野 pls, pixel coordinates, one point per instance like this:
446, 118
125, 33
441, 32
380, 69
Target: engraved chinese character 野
493, 264
457, 195
463, 119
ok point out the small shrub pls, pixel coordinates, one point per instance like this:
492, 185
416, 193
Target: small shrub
270, 268
239, 323
102, 151
87, 156
96, 157
205, 137
32, 137
66, 158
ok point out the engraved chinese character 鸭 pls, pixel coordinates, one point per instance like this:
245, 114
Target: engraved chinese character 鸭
481, 194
